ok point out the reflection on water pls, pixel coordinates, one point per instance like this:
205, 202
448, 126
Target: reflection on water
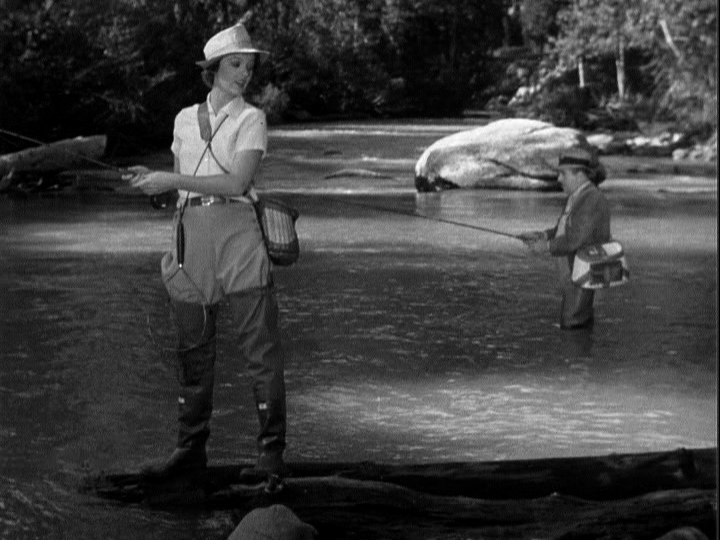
420, 340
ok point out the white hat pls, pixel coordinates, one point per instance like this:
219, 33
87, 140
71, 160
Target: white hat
229, 41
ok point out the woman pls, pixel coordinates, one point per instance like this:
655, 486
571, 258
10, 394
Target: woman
220, 254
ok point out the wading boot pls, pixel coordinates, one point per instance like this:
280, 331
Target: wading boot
182, 461
189, 455
196, 361
271, 441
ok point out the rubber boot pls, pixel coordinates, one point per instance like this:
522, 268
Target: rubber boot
271, 440
196, 355
255, 315
576, 310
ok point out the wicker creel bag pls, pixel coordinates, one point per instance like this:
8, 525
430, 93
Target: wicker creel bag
277, 222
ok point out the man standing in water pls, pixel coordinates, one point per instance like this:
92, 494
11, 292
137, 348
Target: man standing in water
584, 221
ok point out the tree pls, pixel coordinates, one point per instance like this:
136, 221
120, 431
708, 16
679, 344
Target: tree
678, 37
685, 67
591, 29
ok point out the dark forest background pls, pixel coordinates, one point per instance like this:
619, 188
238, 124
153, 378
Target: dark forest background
125, 67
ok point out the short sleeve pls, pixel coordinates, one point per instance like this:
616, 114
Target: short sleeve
177, 140
252, 133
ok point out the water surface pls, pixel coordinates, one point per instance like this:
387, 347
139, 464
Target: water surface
408, 340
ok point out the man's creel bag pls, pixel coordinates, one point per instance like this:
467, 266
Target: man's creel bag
277, 222
599, 266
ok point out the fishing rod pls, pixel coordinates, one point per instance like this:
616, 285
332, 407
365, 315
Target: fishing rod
430, 218
158, 202
370, 206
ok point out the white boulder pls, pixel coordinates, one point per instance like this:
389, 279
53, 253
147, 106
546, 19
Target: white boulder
513, 153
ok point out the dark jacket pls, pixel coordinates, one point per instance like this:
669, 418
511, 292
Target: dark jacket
587, 223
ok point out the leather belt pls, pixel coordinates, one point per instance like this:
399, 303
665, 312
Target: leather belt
208, 200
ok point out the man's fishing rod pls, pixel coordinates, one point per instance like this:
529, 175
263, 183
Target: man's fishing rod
156, 202
430, 218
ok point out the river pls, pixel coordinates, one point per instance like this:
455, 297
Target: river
408, 340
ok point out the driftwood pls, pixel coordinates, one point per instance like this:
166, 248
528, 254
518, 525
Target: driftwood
38, 168
634, 496
56, 156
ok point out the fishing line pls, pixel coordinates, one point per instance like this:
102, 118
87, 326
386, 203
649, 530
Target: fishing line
198, 343
423, 216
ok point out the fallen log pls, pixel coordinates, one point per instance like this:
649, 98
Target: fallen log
631, 496
596, 478
55, 156
360, 509
553, 517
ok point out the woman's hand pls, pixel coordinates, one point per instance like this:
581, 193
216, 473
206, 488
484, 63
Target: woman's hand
135, 171
151, 182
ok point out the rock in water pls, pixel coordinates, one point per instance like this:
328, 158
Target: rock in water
513, 153
276, 522
684, 533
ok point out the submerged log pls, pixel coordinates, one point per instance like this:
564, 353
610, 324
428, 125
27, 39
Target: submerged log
632, 496
54, 157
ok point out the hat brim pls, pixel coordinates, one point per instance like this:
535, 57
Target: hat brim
574, 166
209, 62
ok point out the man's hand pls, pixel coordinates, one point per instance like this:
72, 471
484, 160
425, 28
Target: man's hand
532, 236
538, 246
536, 241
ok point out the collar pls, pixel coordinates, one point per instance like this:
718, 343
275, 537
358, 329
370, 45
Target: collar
575, 195
582, 187
233, 108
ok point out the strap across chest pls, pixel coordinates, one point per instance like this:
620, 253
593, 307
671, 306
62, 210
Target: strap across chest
206, 132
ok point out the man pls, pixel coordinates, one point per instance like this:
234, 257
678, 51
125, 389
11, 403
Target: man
584, 221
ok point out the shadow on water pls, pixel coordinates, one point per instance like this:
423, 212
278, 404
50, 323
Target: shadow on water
408, 341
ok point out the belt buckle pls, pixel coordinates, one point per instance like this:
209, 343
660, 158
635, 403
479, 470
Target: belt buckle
207, 200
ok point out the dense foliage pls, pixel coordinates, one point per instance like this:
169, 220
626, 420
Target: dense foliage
124, 67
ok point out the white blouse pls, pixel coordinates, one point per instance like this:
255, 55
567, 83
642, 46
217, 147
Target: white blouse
241, 127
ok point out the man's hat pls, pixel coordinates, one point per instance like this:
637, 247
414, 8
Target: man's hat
577, 158
583, 158
229, 41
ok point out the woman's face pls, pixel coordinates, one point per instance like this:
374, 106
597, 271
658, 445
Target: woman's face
234, 73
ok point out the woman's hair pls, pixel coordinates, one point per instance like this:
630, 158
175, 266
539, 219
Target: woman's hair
208, 74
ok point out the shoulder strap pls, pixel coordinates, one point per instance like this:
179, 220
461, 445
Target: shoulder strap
204, 121
206, 132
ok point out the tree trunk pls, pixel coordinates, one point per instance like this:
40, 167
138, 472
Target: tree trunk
620, 66
56, 156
